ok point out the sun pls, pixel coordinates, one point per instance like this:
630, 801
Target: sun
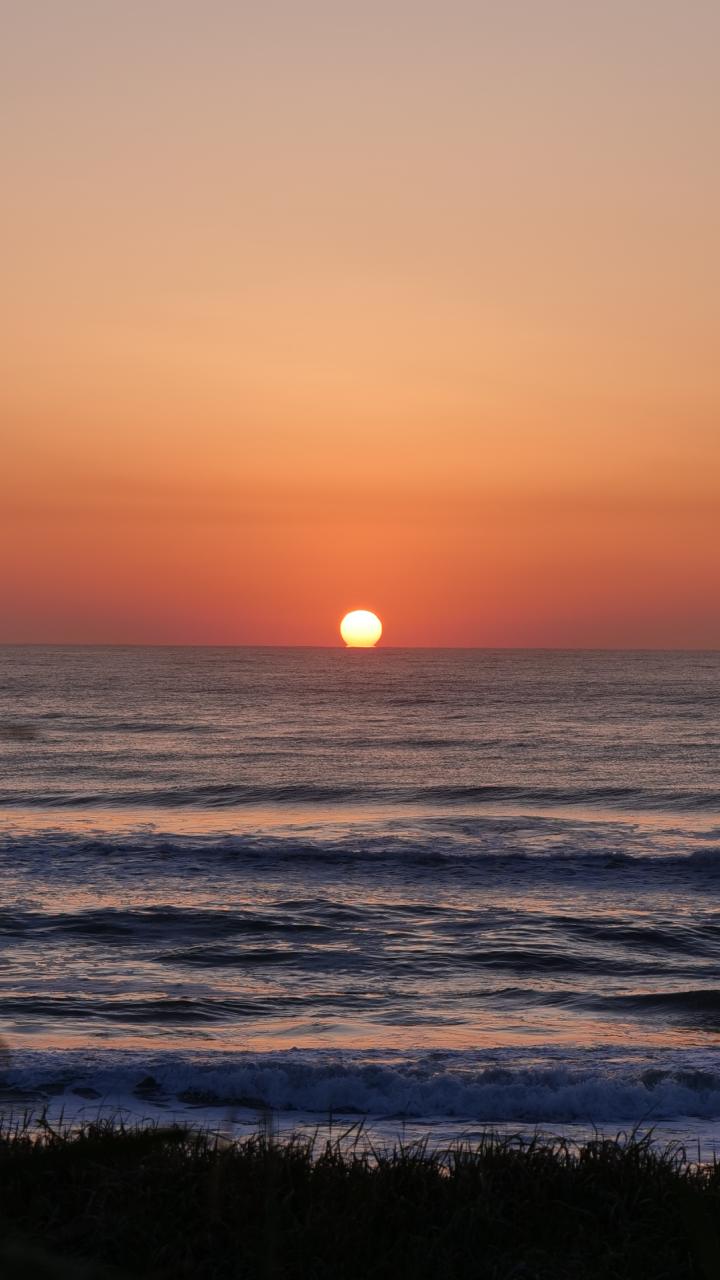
361, 629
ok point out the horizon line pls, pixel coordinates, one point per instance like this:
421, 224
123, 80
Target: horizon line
341, 648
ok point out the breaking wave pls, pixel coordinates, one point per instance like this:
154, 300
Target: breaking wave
426, 1086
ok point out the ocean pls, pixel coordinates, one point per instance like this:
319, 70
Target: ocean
433, 891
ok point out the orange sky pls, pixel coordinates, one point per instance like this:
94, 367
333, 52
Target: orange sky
406, 306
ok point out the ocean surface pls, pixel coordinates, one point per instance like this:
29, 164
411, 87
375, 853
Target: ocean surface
432, 890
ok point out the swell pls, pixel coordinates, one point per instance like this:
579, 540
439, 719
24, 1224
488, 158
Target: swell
473, 934
382, 941
694, 1008
491, 845
237, 795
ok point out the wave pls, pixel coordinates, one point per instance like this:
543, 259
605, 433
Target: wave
238, 795
191, 923
490, 845
150, 1011
425, 1086
317, 937
701, 1000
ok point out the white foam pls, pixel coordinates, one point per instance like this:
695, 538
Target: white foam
595, 1087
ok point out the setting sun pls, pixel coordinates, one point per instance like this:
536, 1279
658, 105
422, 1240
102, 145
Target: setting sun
361, 629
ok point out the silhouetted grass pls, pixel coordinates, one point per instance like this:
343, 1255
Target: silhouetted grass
108, 1201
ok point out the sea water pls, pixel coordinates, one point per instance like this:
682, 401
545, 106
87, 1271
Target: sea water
433, 890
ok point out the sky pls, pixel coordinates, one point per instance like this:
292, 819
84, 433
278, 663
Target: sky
311, 306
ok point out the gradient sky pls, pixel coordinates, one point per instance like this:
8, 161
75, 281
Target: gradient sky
407, 306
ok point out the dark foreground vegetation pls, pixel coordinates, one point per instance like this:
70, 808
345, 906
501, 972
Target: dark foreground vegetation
107, 1202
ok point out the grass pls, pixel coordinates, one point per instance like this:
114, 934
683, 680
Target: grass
107, 1201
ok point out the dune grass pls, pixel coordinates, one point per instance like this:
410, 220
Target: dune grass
108, 1201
